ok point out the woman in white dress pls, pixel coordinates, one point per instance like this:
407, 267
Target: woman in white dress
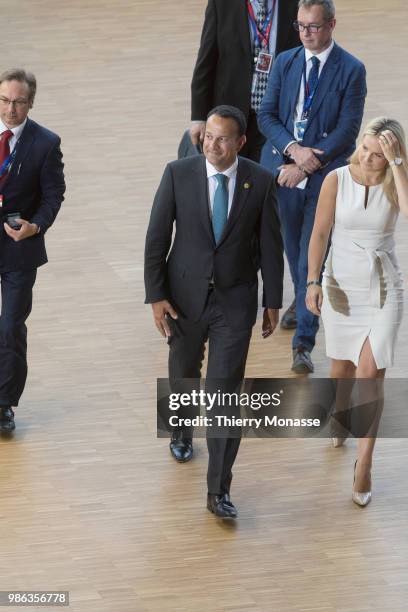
361, 296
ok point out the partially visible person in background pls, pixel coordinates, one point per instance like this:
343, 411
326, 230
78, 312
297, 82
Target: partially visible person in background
240, 41
311, 115
235, 37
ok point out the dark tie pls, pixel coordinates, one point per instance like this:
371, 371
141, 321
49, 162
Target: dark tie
313, 75
220, 206
4, 146
259, 79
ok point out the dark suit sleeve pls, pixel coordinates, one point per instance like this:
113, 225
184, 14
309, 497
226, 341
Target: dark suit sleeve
52, 185
288, 37
202, 84
271, 251
268, 115
351, 114
158, 240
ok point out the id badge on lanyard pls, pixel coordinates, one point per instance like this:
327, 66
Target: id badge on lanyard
264, 62
300, 126
300, 129
262, 59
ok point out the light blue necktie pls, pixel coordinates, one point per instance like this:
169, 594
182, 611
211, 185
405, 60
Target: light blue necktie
220, 206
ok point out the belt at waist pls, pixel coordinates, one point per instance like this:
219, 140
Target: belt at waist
375, 281
377, 246
374, 277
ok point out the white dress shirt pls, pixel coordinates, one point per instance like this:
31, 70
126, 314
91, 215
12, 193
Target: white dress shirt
16, 133
323, 57
231, 173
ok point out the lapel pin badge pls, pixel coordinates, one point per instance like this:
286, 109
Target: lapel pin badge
247, 185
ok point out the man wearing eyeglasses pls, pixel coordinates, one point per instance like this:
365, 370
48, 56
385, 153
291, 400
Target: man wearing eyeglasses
311, 115
31, 192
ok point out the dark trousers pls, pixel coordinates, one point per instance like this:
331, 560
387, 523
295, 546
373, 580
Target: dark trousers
255, 140
227, 354
297, 208
16, 302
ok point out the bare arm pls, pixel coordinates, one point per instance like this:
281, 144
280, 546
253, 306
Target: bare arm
391, 150
401, 183
323, 223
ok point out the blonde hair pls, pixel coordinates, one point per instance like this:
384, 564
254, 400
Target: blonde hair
374, 128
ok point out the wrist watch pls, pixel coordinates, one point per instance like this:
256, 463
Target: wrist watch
396, 162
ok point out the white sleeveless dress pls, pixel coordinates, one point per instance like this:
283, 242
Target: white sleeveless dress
362, 283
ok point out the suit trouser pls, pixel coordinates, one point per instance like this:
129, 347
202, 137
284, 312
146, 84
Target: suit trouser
297, 208
227, 354
16, 302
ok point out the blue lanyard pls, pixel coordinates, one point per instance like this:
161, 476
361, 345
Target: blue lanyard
309, 95
6, 165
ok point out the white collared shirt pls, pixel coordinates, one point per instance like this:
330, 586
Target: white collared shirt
231, 173
16, 133
323, 57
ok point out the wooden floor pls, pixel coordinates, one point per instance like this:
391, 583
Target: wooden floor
90, 500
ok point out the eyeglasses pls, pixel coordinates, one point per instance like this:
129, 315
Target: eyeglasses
312, 28
20, 102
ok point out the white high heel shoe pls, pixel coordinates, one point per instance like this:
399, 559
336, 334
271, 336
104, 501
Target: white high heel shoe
337, 442
358, 497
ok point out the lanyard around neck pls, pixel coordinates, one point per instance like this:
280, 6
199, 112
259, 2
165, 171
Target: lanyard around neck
261, 32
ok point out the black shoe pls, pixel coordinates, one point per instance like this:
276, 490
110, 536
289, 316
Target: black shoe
288, 320
302, 362
226, 500
7, 423
216, 505
181, 448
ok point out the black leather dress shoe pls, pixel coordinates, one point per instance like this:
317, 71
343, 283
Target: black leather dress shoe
219, 507
7, 423
289, 320
181, 448
226, 500
302, 361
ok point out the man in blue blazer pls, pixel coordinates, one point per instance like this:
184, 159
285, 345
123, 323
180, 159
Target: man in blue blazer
31, 192
311, 115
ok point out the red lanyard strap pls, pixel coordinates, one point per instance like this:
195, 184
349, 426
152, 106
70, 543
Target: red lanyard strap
261, 35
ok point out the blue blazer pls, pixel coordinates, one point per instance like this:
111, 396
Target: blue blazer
34, 187
335, 115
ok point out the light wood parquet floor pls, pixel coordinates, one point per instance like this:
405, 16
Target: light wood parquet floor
90, 500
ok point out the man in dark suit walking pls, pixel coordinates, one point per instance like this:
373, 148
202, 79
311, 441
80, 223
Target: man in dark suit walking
206, 288
311, 115
236, 34
31, 192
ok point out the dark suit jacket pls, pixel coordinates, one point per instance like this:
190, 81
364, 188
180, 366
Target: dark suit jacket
223, 71
183, 275
186, 147
335, 115
35, 188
